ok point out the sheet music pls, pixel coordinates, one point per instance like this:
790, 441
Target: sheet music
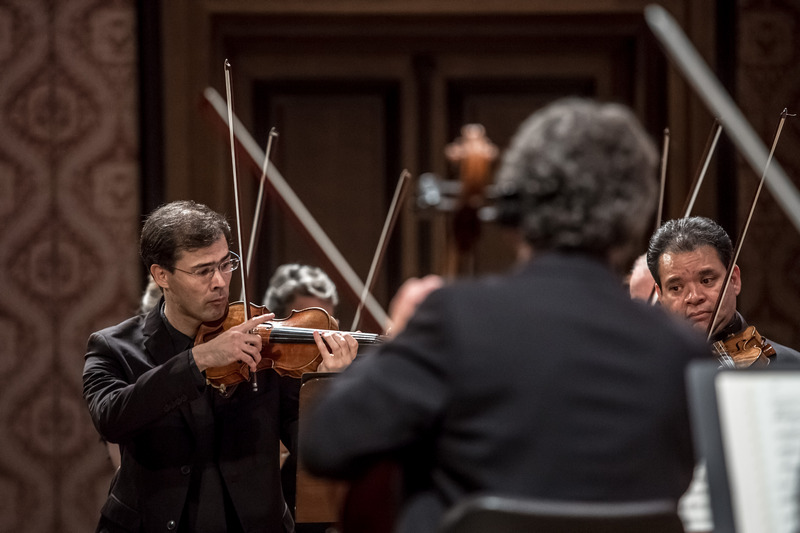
760, 423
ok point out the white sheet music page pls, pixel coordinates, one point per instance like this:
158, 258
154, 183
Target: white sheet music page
760, 423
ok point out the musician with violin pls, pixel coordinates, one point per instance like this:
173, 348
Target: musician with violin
546, 382
193, 459
688, 259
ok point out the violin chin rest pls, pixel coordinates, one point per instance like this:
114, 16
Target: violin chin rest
750, 357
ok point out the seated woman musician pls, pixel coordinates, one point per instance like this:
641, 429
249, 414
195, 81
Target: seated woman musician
294, 287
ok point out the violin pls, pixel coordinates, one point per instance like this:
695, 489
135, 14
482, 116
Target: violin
745, 349
287, 344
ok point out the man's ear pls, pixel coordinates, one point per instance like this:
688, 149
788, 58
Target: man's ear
159, 274
736, 280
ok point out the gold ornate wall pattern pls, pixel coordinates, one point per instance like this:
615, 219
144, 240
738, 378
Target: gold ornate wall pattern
69, 211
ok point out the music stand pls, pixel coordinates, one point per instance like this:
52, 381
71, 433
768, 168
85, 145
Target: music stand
747, 429
317, 499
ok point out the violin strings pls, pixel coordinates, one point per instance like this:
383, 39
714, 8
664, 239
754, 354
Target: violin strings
293, 335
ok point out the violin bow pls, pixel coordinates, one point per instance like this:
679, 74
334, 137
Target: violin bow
245, 300
255, 230
708, 152
745, 227
295, 207
651, 300
388, 226
663, 177
699, 176
688, 60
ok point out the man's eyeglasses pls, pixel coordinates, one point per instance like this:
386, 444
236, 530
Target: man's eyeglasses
207, 273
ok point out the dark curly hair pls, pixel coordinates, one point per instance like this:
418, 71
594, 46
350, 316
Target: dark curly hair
585, 178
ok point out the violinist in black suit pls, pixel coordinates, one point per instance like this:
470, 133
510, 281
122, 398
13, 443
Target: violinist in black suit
192, 460
548, 381
688, 259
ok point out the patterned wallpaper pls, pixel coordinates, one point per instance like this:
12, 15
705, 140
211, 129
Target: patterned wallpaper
768, 80
69, 219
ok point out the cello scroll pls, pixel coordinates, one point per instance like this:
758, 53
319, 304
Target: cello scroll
473, 153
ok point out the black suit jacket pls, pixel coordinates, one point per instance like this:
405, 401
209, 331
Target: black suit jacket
549, 382
144, 396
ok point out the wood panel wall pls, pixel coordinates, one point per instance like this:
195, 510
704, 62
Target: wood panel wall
69, 220
445, 65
